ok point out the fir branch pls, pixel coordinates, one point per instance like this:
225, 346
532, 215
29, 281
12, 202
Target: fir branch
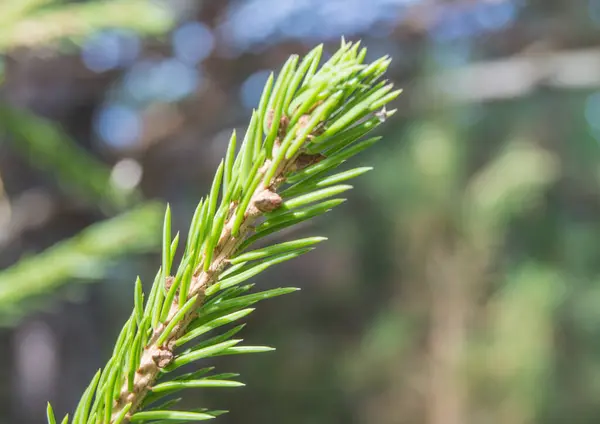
309, 121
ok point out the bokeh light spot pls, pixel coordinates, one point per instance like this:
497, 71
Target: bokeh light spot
495, 15
259, 22
164, 80
110, 49
118, 126
192, 42
126, 174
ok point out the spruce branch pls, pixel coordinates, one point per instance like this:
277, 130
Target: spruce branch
308, 122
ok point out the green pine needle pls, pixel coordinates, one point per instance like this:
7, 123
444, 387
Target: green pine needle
192, 384
176, 319
218, 322
201, 353
243, 276
175, 416
242, 350
121, 415
50, 414
277, 248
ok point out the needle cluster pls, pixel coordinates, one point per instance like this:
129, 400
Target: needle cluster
310, 120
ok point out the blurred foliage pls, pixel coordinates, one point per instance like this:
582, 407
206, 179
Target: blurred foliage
35, 23
452, 226
30, 23
85, 257
48, 147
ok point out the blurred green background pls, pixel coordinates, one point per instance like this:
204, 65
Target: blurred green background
461, 282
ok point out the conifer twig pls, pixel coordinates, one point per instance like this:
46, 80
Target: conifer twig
308, 122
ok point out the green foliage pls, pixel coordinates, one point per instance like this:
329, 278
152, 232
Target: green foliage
28, 23
49, 148
270, 184
84, 256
